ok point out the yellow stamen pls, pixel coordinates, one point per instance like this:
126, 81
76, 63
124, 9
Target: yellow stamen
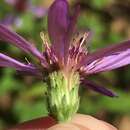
84, 38
27, 60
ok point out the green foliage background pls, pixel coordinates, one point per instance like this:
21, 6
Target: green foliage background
22, 97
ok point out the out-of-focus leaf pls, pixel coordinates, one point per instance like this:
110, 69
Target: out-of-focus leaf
8, 82
27, 111
117, 105
87, 106
27, 23
2, 124
100, 3
37, 90
97, 27
114, 38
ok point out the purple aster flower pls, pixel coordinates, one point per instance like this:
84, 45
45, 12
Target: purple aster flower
66, 63
21, 6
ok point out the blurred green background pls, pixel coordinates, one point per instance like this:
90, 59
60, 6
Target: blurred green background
22, 97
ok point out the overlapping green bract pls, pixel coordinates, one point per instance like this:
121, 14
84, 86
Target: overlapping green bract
63, 95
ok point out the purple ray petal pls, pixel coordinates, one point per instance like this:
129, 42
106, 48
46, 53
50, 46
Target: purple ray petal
58, 21
70, 32
98, 88
109, 62
113, 49
20, 42
6, 61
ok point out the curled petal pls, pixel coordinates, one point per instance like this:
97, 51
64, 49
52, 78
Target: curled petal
108, 63
20, 42
98, 88
111, 50
6, 61
58, 21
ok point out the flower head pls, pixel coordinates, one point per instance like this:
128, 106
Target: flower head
66, 63
20, 6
